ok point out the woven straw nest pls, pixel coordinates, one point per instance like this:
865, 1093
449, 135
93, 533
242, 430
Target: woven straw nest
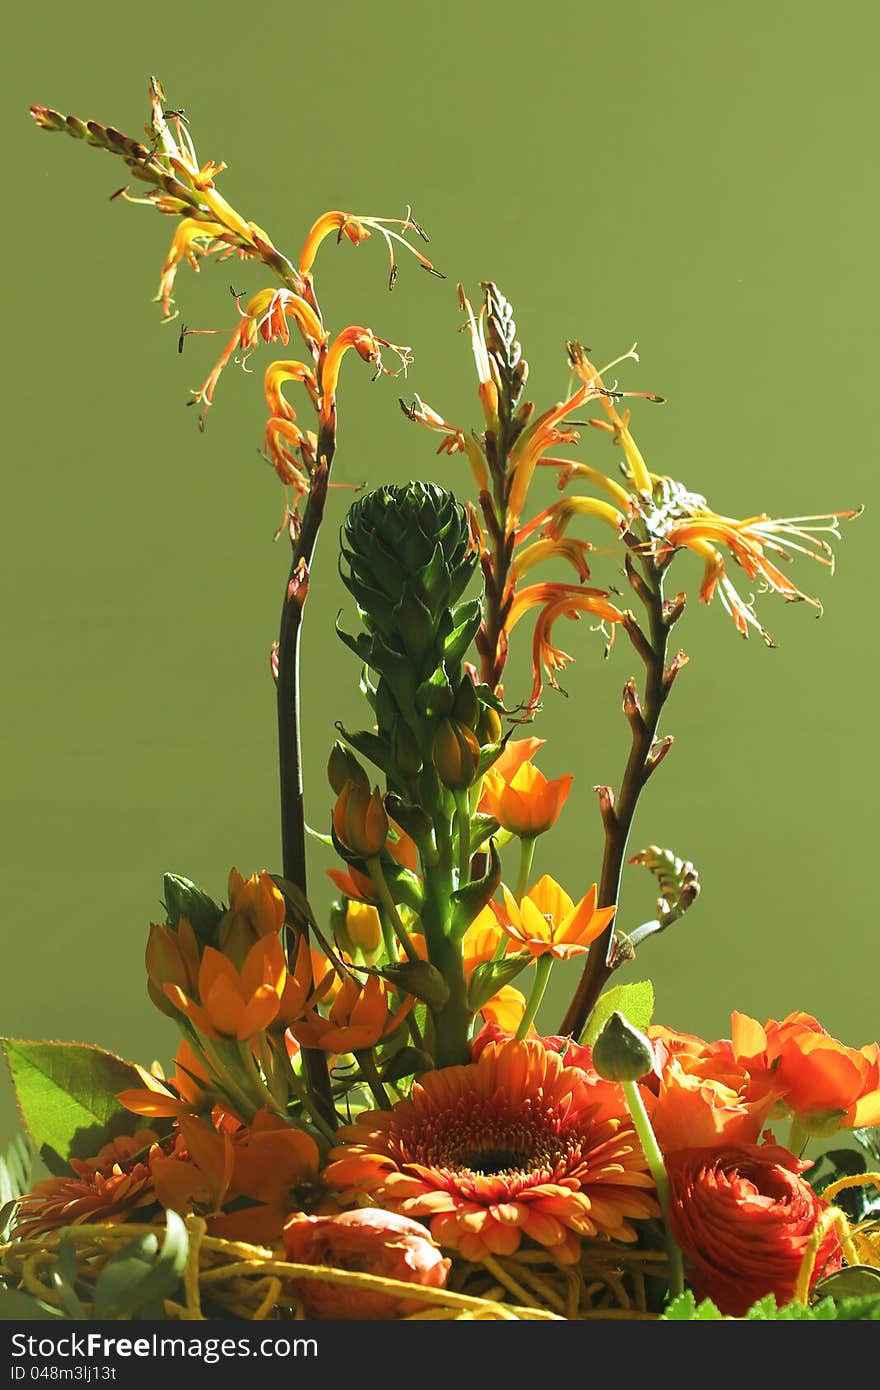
232, 1279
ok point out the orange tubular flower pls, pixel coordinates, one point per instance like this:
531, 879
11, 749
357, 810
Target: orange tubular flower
233, 1004
688, 522
528, 804
106, 1188
359, 1017
547, 922
556, 601
513, 1145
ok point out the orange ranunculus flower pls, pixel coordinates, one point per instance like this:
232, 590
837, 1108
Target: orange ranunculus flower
172, 958
704, 1094
359, 1017
256, 908
106, 1188
528, 804
547, 921
513, 1145
697, 1109
267, 1163
826, 1084
186, 1092
743, 1216
369, 1241
360, 820
233, 1004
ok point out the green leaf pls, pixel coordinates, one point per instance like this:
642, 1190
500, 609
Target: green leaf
16, 1171
856, 1281
635, 1002
492, 975
67, 1096
137, 1279
685, 1308
16, 1306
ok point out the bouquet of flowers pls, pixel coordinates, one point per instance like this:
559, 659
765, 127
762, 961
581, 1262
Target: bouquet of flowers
367, 1116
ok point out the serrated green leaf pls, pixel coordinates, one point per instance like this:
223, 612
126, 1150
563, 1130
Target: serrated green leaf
685, 1308
67, 1096
137, 1279
635, 1001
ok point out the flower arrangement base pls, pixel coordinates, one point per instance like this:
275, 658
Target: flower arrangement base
234, 1279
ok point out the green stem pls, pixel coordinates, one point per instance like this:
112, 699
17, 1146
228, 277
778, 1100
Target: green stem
256, 1081
526, 855
377, 874
543, 966
301, 1092
654, 1159
798, 1139
239, 1097
366, 1061
463, 828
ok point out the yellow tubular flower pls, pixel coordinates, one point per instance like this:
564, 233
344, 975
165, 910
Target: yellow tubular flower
572, 551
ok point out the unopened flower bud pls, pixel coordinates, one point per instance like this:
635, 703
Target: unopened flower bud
466, 708
456, 754
489, 730
344, 767
621, 1052
360, 820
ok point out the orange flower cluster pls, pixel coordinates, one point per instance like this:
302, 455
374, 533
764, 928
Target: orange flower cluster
725, 1092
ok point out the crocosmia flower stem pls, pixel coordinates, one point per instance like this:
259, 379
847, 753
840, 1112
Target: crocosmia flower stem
646, 579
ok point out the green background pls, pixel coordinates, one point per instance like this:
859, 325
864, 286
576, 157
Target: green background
701, 178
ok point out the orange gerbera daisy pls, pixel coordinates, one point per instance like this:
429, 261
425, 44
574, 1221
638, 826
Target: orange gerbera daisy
106, 1188
514, 1144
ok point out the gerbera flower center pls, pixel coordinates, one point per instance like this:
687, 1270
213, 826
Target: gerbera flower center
494, 1161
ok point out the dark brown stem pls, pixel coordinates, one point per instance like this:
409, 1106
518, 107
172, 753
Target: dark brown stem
618, 814
293, 830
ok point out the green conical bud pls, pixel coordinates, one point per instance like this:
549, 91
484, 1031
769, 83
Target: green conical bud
621, 1052
344, 767
407, 545
184, 899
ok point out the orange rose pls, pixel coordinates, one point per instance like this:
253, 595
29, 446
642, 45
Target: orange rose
371, 1242
743, 1216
